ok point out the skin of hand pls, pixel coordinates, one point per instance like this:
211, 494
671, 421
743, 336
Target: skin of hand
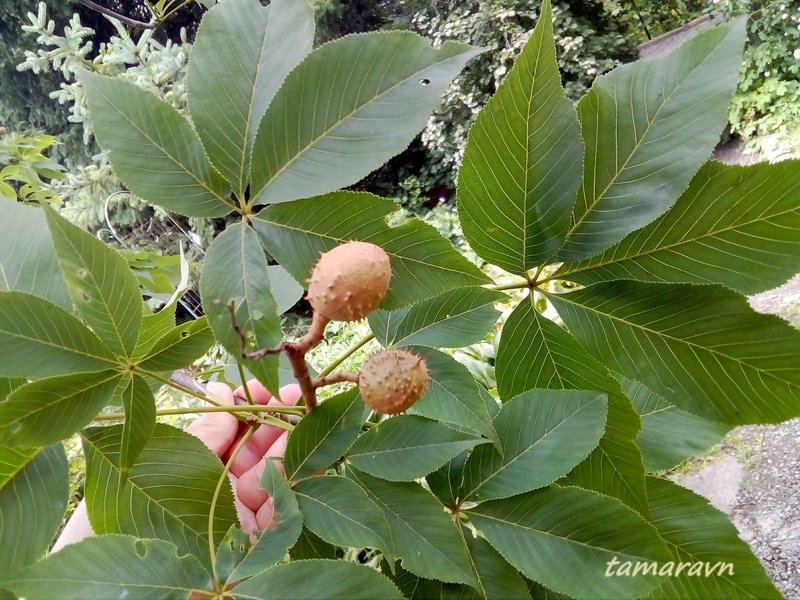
220, 432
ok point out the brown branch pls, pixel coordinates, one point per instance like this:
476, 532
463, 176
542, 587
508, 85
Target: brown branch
339, 377
115, 15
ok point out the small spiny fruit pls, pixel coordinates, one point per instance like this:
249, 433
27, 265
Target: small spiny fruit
392, 380
349, 281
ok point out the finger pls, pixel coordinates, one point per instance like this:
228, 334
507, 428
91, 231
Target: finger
216, 430
251, 495
247, 517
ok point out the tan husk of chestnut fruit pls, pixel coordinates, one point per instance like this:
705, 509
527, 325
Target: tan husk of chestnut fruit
392, 380
349, 281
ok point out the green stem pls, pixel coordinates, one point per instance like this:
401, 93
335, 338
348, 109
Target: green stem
520, 285
244, 383
212, 551
292, 410
179, 387
347, 354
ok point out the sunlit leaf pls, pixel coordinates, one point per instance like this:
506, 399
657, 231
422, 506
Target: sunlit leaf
140, 421
340, 512
314, 579
735, 225
179, 347
669, 435
324, 435
533, 353
452, 319
699, 534
426, 540
27, 260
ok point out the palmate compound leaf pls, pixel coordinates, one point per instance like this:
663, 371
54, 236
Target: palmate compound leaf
34, 487
112, 566
423, 262
669, 435
314, 579
720, 563
242, 53
522, 163
235, 271
350, 106
734, 225
702, 348
648, 127
154, 149
340, 512
564, 537
27, 261
535, 352
167, 493
101, 284
407, 447
543, 434
426, 539
324, 435
49, 410
452, 319
46, 340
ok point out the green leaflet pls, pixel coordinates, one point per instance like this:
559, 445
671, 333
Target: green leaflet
229, 91
452, 319
734, 225
669, 435
702, 348
699, 534
318, 134
407, 447
543, 434
565, 527
27, 260
166, 494
235, 271
102, 287
648, 127
522, 163
154, 149
533, 353
32, 501
45, 340
112, 566
423, 262
324, 435
48, 410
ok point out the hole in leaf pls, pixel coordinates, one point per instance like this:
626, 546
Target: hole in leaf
184, 334
15, 427
85, 297
424, 81
83, 274
141, 548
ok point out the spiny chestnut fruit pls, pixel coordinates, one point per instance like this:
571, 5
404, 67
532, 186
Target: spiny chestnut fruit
349, 281
392, 380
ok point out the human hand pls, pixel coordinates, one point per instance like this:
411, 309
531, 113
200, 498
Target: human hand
220, 432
